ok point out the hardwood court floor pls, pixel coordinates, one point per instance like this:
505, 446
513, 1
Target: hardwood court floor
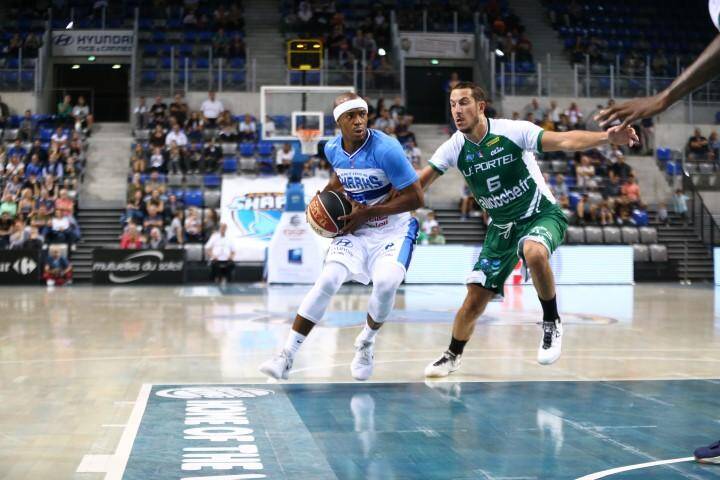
73, 360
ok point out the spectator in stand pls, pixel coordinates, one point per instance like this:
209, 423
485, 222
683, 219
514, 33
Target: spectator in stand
384, 122
212, 154
584, 211
34, 240
155, 182
194, 127
82, 117
221, 44
131, 239
60, 229
175, 233
54, 169
534, 108
560, 188
680, 204
631, 190
64, 203
554, 111
17, 149
12, 192
172, 207
57, 270
647, 135
429, 223
179, 109
620, 169
158, 113
248, 129
176, 160
157, 160
220, 252
283, 158
713, 145
6, 225
435, 237
211, 110
138, 161
466, 203
413, 154
605, 213
134, 186
193, 226
564, 124
18, 235
33, 168
41, 219
697, 147
228, 127
269, 126
662, 214
575, 116
153, 219
585, 173
237, 47
613, 188
64, 111
176, 136
26, 129
157, 137
141, 114
59, 138
547, 123
135, 210
155, 239
26, 204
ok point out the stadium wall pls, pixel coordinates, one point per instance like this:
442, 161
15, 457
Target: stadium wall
19, 101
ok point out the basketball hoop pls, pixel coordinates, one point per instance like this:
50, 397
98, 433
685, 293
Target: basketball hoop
308, 140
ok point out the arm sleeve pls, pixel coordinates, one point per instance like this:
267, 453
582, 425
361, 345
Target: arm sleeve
446, 156
397, 167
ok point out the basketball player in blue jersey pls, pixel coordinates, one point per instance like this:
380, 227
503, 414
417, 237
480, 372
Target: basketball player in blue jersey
703, 69
377, 240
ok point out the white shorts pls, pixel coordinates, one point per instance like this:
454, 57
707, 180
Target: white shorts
360, 252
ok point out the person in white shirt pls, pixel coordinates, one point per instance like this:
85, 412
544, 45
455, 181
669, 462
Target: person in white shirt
176, 135
429, 223
220, 252
269, 126
283, 158
413, 153
247, 129
59, 137
141, 114
82, 116
211, 110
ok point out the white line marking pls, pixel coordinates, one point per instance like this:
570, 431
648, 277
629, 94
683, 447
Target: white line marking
116, 467
94, 464
613, 471
113, 425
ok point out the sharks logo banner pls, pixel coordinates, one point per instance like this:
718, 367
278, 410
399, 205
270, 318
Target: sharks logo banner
252, 207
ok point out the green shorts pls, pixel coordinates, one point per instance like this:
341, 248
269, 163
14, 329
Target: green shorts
503, 246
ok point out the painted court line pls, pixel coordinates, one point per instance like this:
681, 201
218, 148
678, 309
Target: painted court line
638, 466
116, 466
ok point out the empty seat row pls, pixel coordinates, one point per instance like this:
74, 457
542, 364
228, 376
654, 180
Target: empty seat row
611, 235
197, 198
650, 253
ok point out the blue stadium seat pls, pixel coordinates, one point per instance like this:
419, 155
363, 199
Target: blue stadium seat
237, 62
717, 117
12, 63
247, 149
194, 198
149, 77
165, 62
158, 36
205, 37
202, 62
45, 134
229, 164
212, 180
190, 36
264, 148
15, 121
185, 50
27, 77
150, 50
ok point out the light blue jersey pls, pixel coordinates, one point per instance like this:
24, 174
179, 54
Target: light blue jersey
369, 173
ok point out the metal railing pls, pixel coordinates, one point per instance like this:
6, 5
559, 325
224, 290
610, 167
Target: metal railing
700, 217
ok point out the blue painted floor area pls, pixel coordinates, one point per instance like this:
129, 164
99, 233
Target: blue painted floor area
445, 430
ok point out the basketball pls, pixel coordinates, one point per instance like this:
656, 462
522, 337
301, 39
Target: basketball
324, 210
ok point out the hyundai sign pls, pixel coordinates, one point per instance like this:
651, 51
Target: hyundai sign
78, 43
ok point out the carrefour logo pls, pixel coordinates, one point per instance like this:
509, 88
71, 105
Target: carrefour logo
24, 266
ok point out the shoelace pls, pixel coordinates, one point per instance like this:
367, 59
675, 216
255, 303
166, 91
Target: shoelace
447, 357
549, 332
365, 354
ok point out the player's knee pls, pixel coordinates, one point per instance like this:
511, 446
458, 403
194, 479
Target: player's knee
535, 254
331, 278
384, 286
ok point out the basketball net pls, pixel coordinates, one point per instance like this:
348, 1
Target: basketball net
308, 140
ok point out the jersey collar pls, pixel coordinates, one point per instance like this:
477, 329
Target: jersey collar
487, 132
367, 139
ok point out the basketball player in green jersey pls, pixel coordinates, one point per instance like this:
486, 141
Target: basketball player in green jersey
496, 158
703, 69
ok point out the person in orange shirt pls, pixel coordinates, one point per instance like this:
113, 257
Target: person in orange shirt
64, 203
632, 190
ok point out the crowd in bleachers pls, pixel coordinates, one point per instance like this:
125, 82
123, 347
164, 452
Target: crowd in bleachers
634, 30
41, 166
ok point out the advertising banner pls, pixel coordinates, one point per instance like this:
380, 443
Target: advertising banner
296, 252
252, 207
121, 267
20, 267
80, 43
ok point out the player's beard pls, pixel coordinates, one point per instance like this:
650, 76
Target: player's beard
469, 127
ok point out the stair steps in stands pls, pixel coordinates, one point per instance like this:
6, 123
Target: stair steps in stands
100, 227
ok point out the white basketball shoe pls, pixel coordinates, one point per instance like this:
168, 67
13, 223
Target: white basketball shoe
278, 367
443, 366
363, 362
550, 343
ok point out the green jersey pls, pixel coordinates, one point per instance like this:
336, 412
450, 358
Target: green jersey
500, 170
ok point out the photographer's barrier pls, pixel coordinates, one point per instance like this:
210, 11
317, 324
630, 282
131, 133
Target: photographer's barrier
716, 261
121, 267
572, 265
20, 267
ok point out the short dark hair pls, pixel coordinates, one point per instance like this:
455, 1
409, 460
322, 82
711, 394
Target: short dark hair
344, 97
477, 92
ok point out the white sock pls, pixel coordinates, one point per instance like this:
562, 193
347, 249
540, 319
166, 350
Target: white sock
294, 342
367, 334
